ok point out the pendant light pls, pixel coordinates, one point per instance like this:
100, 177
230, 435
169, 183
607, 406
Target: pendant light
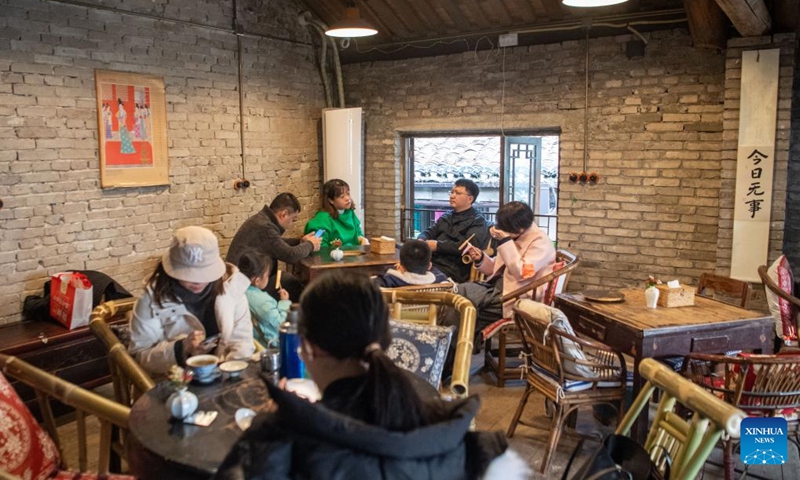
591, 3
352, 25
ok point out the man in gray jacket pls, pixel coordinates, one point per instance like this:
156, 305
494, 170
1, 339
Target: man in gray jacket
262, 233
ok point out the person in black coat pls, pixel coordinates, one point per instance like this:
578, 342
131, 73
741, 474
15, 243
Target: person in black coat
453, 228
371, 422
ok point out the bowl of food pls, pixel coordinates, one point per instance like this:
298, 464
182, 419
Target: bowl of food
232, 367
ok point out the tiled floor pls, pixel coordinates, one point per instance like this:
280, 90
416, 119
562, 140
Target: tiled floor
498, 406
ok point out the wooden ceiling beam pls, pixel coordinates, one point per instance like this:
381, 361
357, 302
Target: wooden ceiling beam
750, 17
452, 10
477, 19
394, 26
787, 15
498, 9
409, 16
707, 23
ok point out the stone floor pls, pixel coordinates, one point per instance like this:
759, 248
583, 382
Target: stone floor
498, 406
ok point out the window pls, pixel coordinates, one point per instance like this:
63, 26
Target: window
522, 167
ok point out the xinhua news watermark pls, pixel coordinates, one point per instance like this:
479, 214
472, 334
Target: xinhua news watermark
763, 441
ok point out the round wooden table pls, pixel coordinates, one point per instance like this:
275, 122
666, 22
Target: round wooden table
161, 447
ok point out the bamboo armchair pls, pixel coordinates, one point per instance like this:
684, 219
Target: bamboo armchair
459, 384
505, 329
408, 311
130, 380
563, 377
47, 387
761, 385
687, 442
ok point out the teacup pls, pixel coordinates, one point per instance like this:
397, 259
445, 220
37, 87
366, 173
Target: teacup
203, 366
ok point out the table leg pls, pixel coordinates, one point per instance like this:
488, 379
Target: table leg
639, 429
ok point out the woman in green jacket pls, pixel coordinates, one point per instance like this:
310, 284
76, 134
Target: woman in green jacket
337, 217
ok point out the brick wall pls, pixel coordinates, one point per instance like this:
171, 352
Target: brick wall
656, 139
733, 78
56, 216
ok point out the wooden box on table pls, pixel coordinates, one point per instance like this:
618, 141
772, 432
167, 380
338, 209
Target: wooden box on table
382, 245
682, 296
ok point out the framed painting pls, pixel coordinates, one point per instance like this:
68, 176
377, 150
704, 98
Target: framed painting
132, 128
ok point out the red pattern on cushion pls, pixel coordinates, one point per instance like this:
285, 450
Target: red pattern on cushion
70, 475
552, 286
787, 413
25, 449
490, 330
786, 283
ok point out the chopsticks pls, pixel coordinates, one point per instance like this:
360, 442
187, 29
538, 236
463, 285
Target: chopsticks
278, 280
466, 242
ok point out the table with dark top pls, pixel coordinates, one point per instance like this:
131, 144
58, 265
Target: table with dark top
356, 258
709, 326
162, 447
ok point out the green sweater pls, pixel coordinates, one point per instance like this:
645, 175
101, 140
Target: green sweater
346, 228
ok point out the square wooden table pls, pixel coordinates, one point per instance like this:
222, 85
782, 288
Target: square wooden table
356, 258
709, 326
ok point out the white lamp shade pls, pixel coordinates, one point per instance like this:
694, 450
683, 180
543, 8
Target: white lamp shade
591, 3
352, 25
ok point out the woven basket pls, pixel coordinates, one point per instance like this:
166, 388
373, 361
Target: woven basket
682, 296
381, 246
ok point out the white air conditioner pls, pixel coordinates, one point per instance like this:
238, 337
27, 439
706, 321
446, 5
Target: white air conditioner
342, 152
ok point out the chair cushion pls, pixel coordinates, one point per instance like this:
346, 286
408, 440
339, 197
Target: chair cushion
558, 285
26, 450
782, 311
70, 475
420, 349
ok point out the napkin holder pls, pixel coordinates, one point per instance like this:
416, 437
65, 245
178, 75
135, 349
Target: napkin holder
680, 296
382, 245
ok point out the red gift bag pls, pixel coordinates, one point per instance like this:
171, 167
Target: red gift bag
71, 299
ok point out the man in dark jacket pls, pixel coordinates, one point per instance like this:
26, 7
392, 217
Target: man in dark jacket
414, 269
453, 228
262, 233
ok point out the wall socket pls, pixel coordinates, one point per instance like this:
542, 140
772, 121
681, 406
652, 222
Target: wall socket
508, 40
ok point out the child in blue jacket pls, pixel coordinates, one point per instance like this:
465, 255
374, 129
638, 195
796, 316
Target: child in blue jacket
266, 312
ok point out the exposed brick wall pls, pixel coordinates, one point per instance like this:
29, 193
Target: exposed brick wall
656, 135
733, 79
56, 216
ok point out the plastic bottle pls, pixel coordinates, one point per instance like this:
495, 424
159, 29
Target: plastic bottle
291, 364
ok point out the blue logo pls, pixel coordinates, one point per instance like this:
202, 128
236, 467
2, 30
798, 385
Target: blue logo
763, 441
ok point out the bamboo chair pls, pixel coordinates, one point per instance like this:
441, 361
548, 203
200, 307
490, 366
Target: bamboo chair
459, 385
47, 387
687, 443
496, 360
425, 313
129, 378
545, 372
724, 289
760, 385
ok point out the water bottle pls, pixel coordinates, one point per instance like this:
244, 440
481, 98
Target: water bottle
291, 364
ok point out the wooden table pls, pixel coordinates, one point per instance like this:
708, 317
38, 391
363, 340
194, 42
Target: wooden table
707, 327
161, 447
356, 258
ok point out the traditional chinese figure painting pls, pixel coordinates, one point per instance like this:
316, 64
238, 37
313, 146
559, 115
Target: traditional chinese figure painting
131, 117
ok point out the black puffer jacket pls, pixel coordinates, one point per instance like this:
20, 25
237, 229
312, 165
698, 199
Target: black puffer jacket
450, 231
312, 441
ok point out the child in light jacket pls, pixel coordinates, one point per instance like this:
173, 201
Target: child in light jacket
267, 313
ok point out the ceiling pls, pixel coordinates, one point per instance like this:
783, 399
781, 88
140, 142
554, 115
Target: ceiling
414, 28
417, 28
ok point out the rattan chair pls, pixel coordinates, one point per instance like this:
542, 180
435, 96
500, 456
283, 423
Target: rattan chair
49, 387
562, 376
496, 359
724, 289
427, 313
760, 385
129, 378
459, 385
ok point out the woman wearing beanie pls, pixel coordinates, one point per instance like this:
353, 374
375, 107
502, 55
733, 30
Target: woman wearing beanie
371, 422
192, 294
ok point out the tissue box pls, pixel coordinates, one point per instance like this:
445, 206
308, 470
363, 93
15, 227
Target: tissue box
682, 296
382, 245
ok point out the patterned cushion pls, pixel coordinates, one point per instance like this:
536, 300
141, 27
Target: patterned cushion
783, 311
70, 475
420, 349
26, 450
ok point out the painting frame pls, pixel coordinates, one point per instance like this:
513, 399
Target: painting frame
132, 129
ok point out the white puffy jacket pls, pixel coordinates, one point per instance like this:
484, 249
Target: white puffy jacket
155, 329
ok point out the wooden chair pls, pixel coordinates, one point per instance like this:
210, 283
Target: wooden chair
459, 384
554, 368
505, 330
687, 442
724, 289
129, 378
49, 387
777, 290
760, 385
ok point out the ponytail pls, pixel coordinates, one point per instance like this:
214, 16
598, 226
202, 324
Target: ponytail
390, 397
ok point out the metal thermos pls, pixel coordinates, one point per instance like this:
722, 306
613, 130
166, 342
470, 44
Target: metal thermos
291, 364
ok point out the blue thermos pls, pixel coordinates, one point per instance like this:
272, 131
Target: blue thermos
291, 364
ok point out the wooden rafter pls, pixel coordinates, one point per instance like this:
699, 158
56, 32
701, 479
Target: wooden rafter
706, 23
750, 17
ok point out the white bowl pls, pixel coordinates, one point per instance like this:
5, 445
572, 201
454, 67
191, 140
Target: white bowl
233, 367
304, 388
